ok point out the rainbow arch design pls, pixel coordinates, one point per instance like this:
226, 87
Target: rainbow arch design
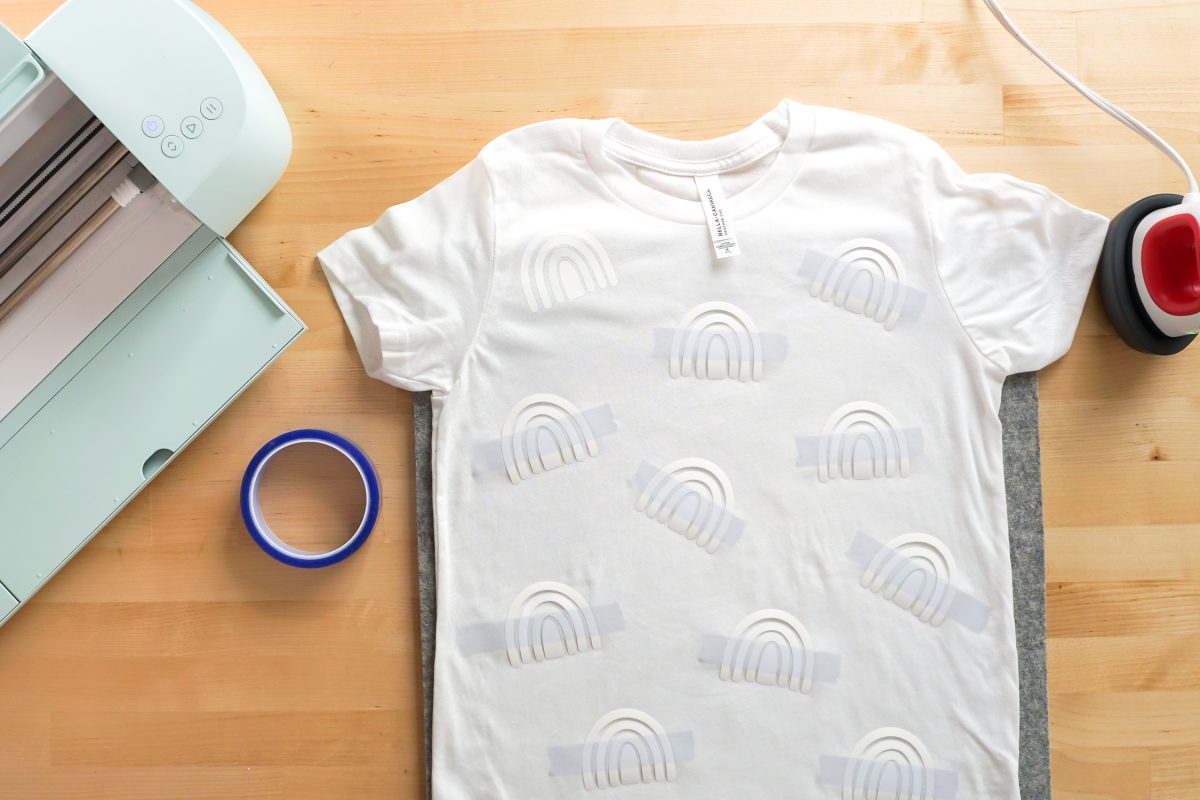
717, 334
890, 755
691, 496
865, 277
543, 607
921, 566
543, 432
627, 730
770, 633
862, 440
563, 264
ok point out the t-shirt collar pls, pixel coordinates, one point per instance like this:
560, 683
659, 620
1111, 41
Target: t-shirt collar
787, 131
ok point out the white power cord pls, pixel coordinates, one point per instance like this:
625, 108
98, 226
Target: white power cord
1109, 108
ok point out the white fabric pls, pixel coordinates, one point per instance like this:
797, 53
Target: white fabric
434, 297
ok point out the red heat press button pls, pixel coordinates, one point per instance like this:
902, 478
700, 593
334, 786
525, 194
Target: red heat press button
1171, 264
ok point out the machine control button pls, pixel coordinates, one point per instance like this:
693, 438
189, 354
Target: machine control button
153, 126
191, 127
172, 146
211, 108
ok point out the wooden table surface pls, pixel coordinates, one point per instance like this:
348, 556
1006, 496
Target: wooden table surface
172, 659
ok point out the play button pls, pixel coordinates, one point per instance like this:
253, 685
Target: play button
191, 127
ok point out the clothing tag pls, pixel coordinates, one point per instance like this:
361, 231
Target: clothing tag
712, 198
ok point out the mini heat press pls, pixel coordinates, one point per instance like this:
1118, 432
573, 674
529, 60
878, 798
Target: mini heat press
1150, 264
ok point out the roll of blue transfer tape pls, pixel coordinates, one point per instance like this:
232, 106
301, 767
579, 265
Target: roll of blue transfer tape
267, 539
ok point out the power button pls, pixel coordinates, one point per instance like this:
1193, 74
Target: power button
152, 126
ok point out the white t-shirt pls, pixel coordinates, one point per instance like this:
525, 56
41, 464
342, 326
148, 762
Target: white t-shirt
716, 528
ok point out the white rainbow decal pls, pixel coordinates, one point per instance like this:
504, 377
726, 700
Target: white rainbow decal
564, 264
627, 730
914, 571
717, 340
862, 440
769, 635
691, 496
549, 620
891, 758
864, 277
543, 432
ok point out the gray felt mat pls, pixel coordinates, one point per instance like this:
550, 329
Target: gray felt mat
1023, 479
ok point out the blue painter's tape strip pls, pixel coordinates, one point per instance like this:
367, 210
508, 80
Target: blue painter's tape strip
267, 539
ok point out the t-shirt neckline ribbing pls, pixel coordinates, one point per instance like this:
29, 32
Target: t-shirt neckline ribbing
786, 131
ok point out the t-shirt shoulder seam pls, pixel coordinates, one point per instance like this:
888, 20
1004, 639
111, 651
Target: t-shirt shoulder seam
937, 273
487, 300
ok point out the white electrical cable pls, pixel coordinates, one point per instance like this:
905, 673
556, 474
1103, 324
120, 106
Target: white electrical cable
1109, 108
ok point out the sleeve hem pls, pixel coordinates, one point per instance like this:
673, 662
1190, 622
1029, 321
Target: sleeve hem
338, 266
1084, 255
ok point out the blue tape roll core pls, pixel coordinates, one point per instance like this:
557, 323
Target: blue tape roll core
267, 539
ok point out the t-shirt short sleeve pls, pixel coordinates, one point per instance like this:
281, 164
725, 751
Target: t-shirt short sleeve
413, 286
1015, 260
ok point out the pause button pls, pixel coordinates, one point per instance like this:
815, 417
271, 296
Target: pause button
211, 108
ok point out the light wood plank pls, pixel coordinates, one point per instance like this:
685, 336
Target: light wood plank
1133, 553
1100, 773
1175, 773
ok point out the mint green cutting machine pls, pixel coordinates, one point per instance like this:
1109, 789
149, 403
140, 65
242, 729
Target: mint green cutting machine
134, 136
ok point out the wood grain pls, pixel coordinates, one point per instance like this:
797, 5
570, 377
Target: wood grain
172, 659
